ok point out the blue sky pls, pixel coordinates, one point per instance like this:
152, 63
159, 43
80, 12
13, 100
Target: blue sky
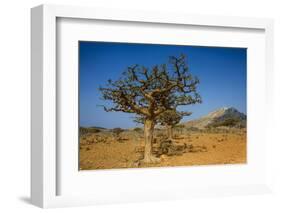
222, 74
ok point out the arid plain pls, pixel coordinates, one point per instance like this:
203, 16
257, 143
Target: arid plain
124, 148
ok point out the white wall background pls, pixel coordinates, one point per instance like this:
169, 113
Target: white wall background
15, 104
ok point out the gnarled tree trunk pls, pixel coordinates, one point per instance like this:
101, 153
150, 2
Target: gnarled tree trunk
169, 130
148, 137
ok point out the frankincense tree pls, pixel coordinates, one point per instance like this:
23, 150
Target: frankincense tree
170, 118
150, 92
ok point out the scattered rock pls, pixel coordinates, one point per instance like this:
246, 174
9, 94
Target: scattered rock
139, 149
194, 149
163, 157
170, 148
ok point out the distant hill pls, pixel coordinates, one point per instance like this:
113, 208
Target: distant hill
226, 116
97, 127
93, 129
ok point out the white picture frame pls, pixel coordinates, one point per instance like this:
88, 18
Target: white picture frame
44, 153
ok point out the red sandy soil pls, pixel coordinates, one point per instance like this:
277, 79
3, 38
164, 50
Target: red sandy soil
104, 151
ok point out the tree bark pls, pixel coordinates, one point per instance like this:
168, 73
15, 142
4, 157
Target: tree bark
148, 137
169, 130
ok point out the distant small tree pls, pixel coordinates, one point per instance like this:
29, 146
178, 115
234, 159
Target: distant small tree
150, 92
117, 132
170, 119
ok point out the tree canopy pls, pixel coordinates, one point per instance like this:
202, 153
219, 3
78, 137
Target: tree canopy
150, 92
171, 117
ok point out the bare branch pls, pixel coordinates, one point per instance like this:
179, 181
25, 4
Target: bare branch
151, 92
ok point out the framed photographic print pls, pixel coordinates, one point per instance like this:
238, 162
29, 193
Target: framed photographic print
164, 114
129, 106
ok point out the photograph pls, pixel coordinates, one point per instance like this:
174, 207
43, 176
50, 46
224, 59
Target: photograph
161, 105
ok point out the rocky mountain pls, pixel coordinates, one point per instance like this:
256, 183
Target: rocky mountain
226, 116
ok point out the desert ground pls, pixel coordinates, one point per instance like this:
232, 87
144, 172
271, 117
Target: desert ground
108, 149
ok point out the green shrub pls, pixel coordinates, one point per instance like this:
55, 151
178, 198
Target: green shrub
138, 129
